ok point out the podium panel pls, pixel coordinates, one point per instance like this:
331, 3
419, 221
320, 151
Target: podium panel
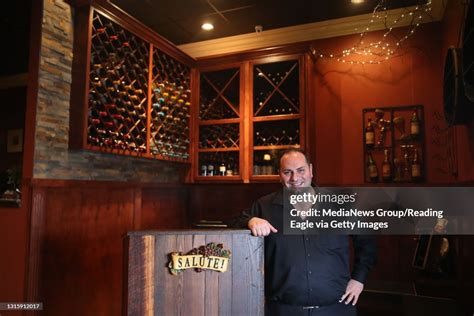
152, 289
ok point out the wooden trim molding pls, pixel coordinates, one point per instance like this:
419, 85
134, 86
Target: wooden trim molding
299, 33
133, 25
35, 246
51, 183
14, 81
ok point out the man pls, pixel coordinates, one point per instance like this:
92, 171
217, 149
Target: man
307, 274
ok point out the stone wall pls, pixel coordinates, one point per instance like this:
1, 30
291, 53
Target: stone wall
52, 158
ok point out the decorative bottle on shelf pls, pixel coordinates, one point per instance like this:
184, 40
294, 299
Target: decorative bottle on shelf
415, 167
210, 169
229, 171
415, 125
267, 167
222, 169
203, 169
372, 171
257, 168
369, 134
386, 167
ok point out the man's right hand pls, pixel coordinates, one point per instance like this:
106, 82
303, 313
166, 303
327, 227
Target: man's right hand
260, 227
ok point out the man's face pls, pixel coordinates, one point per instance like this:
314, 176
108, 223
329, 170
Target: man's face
295, 172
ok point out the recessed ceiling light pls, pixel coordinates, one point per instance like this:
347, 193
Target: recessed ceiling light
357, 1
207, 26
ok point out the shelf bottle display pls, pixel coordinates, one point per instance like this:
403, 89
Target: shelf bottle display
400, 146
415, 125
369, 134
372, 169
416, 167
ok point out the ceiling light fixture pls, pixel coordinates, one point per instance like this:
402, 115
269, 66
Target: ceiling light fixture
207, 26
357, 1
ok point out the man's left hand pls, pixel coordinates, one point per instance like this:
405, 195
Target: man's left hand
353, 290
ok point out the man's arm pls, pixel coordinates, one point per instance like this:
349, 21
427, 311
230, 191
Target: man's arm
252, 220
260, 227
365, 249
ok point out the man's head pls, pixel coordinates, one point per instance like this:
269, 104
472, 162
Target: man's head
295, 169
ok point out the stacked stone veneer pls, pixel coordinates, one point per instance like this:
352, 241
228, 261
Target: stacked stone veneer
52, 158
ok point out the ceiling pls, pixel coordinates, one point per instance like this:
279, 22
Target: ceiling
180, 21
14, 32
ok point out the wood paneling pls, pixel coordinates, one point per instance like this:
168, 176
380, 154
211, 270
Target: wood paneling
224, 201
82, 248
165, 209
76, 256
238, 291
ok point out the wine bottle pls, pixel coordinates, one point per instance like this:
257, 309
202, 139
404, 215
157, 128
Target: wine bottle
284, 138
222, 169
267, 166
386, 167
416, 167
203, 169
257, 169
110, 106
117, 117
95, 121
369, 134
210, 169
229, 171
415, 125
372, 171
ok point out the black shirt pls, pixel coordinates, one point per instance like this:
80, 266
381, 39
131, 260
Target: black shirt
308, 269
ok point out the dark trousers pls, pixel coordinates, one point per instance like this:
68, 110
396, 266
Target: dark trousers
338, 309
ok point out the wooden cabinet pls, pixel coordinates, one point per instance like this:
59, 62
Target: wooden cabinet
137, 94
249, 113
220, 125
277, 113
130, 96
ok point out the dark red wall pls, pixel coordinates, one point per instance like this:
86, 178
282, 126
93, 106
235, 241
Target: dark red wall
342, 91
13, 229
12, 116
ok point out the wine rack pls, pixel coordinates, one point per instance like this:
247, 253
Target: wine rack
118, 87
250, 112
276, 133
276, 88
277, 117
219, 124
395, 151
219, 136
220, 95
170, 112
139, 98
219, 163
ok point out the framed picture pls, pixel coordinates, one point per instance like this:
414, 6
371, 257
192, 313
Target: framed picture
14, 140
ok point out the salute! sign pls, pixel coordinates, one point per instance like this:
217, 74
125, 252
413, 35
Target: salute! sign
209, 257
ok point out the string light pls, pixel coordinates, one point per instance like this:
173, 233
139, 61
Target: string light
379, 51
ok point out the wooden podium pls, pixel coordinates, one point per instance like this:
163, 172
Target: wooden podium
151, 289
